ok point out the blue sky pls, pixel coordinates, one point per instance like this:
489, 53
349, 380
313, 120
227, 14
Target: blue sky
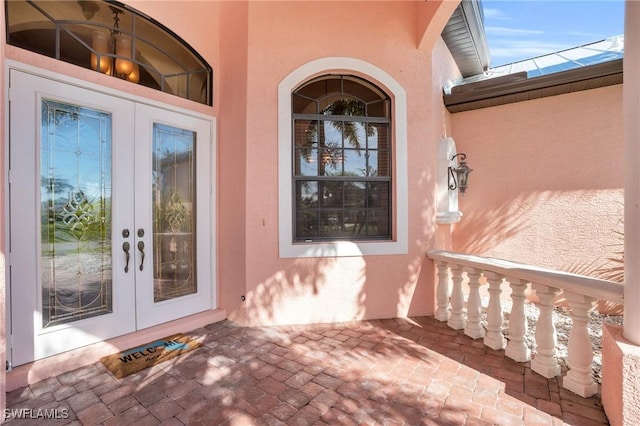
523, 29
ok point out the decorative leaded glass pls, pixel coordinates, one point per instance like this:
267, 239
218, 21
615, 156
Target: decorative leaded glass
174, 221
75, 195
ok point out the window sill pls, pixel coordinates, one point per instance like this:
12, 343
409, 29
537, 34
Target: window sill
342, 249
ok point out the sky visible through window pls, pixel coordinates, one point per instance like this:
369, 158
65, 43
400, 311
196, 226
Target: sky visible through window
523, 29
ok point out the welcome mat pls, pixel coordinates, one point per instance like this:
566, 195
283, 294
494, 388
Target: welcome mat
135, 359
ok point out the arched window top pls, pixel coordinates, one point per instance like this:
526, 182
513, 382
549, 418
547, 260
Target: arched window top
344, 95
111, 38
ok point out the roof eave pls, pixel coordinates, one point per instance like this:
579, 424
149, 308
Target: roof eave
466, 39
481, 95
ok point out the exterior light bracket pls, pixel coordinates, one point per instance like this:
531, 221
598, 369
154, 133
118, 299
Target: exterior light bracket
459, 176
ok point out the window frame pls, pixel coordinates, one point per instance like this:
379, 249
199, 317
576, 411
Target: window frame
342, 150
398, 244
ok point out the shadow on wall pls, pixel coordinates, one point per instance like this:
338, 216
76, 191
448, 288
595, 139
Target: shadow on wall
580, 232
611, 267
480, 231
416, 295
572, 231
338, 289
309, 290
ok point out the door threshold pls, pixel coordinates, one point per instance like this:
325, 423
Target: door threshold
32, 372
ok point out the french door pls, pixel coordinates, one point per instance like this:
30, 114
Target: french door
109, 216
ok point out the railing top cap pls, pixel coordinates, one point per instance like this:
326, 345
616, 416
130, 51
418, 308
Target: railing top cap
594, 287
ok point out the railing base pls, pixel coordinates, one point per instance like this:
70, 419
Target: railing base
518, 354
584, 390
474, 332
546, 371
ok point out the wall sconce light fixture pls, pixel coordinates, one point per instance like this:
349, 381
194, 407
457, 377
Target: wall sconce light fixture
459, 176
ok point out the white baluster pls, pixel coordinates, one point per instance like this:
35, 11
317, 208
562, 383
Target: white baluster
456, 320
545, 363
442, 295
580, 352
517, 348
494, 338
474, 327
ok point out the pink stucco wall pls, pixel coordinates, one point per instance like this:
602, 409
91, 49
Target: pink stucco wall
336, 289
547, 185
256, 46
620, 379
252, 46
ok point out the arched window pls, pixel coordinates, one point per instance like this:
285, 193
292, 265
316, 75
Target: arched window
342, 177
111, 38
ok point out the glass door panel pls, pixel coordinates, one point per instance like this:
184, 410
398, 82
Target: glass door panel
71, 196
173, 212
75, 194
173, 215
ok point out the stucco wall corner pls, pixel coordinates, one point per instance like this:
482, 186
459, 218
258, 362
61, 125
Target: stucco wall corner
620, 377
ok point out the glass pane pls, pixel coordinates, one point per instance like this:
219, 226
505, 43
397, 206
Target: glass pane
380, 108
355, 162
303, 105
362, 89
343, 106
331, 194
378, 195
198, 87
307, 223
330, 134
306, 143
306, 162
149, 54
306, 194
354, 135
372, 163
331, 223
354, 194
330, 162
75, 194
319, 89
305, 133
174, 218
355, 222
306, 204
378, 223
175, 84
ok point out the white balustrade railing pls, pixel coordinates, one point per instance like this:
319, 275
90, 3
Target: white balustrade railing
579, 291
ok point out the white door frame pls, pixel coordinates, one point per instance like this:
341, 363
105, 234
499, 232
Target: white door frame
211, 263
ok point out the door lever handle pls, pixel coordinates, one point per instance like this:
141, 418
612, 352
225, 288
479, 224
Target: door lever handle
126, 246
141, 248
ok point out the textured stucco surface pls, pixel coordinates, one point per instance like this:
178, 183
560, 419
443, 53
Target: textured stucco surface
547, 185
620, 377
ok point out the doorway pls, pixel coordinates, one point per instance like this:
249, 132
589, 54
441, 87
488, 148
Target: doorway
110, 226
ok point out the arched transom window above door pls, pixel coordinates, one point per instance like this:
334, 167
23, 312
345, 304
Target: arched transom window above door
111, 38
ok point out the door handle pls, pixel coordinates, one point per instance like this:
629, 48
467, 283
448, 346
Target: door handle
141, 248
126, 246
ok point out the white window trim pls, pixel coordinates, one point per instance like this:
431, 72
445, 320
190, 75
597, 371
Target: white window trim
399, 245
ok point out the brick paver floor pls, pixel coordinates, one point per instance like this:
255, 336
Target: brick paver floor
389, 372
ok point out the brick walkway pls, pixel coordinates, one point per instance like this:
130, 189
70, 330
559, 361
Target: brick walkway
389, 372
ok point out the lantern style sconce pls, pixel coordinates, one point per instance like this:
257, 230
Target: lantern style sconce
459, 176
